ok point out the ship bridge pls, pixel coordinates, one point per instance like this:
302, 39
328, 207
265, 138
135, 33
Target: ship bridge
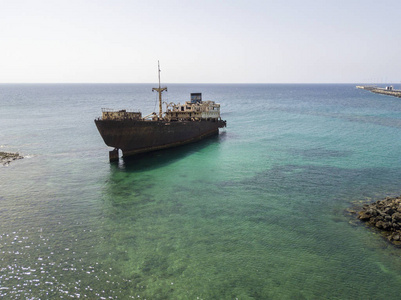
194, 109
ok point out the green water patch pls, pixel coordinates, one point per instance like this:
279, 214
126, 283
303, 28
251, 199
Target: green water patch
279, 234
167, 232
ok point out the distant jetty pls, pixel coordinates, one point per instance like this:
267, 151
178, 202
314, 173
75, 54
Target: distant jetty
6, 157
389, 90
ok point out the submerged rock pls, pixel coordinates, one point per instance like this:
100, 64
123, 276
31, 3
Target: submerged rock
7, 157
384, 215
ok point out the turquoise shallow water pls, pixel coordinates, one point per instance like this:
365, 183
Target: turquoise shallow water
258, 212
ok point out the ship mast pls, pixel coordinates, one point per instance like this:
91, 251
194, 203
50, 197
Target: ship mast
160, 90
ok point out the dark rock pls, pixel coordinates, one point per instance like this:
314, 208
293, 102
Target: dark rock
389, 211
396, 217
364, 216
382, 225
371, 211
379, 218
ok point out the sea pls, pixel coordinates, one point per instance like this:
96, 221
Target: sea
261, 211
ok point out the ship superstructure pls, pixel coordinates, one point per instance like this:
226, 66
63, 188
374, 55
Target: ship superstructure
196, 109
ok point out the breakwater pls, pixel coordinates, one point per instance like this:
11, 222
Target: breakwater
384, 91
6, 157
384, 215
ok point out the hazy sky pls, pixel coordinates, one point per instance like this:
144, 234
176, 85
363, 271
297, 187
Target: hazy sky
209, 41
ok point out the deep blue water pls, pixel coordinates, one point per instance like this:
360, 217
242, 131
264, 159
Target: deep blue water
258, 212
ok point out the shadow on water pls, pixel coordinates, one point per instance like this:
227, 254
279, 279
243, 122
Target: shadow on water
161, 158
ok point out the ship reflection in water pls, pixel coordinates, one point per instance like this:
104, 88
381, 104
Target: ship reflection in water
158, 159
181, 124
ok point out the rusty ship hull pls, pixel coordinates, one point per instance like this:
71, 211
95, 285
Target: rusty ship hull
139, 136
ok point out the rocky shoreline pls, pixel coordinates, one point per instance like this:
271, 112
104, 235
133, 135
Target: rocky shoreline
384, 215
7, 157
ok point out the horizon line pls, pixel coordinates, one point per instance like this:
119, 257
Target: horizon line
363, 83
